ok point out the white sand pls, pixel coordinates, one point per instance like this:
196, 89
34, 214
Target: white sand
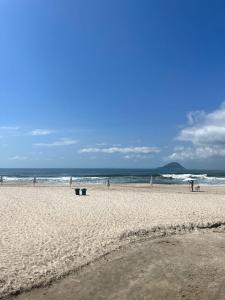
47, 232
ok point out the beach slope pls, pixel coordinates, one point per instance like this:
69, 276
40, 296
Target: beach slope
48, 232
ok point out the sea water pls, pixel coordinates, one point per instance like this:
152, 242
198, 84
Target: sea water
117, 176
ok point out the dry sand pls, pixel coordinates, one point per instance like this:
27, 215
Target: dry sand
48, 232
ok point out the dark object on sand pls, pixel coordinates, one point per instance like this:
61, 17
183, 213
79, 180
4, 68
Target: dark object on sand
35, 180
77, 192
80, 192
83, 192
1, 179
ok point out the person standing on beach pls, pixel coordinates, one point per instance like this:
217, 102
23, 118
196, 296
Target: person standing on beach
35, 180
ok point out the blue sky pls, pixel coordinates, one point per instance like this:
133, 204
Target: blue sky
112, 83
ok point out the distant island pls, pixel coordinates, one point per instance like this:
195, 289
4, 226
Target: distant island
171, 168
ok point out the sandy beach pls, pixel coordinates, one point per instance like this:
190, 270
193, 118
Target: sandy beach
189, 266
48, 232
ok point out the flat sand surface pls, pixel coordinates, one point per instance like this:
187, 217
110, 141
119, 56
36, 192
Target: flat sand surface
48, 232
190, 266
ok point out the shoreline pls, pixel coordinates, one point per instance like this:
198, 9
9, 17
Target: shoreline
145, 187
25, 183
49, 233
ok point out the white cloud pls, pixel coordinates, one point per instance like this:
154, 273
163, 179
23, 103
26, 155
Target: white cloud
41, 132
18, 158
197, 153
9, 127
122, 150
137, 156
205, 133
105, 145
206, 128
101, 144
60, 142
195, 116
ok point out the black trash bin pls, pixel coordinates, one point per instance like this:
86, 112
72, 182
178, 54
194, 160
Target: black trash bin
77, 192
84, 192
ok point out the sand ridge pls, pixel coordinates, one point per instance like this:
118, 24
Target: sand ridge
48, 232
190, 266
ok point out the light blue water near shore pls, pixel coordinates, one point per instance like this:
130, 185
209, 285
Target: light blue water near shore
118, 176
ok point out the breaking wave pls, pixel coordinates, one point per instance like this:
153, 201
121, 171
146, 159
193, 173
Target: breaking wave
199, 178
62, 177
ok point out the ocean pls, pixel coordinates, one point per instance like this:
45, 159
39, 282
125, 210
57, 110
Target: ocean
116, 176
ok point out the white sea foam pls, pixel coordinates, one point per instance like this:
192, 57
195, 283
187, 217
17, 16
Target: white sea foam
94, 179
55, 180
184, 176
162, 179
214, 181
200, 178
176, 176
16, 179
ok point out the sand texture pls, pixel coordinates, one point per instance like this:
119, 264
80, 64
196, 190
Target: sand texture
48, 232
190, 266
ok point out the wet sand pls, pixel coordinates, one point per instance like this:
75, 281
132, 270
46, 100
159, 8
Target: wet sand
190, 266
48, 233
